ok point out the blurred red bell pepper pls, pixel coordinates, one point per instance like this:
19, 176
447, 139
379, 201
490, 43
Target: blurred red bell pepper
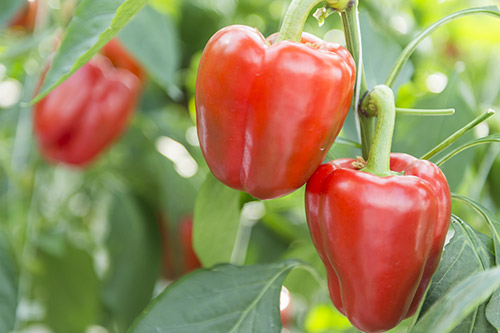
190, 260
380, 238
86, 113
121, 58
26, 17
267, 112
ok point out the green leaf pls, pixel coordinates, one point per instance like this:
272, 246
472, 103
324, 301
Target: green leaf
134, 255
7, 10
493, 307
8, 287
464, 255
94, 24
159, 53
467, 253
458, 302
493, 310
492, 221
487, 139
70, 289
225, 298
216, 222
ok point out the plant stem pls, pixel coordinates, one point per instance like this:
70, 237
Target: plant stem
381, 100
243, 234
298, 12
295, 19
350, 21
457, 135
407, 52
487, 139
425, 112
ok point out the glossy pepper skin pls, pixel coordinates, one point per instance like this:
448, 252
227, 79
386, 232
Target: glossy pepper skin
380, 238
86, 113
268, 112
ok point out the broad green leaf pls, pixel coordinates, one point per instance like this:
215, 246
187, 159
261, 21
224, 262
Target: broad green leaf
8, 8
464, 255
492, 221
468, 252
493, 310
70, 289
225, 298
134, 256
94, 24
8, 287
487, 139
458, 302
493, 307
216, 222
159, 53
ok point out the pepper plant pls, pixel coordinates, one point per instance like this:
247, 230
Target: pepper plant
249, 166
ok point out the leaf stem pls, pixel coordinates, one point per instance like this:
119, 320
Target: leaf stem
407, 52
457, 135
425, 112
486, 139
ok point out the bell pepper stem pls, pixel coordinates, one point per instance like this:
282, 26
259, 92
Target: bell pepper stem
297, 14
380, 101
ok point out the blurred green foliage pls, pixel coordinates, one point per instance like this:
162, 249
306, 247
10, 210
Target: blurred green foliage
88, 242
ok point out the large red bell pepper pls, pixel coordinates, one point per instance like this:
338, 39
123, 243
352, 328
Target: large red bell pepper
380, 238
86, 113
267, 112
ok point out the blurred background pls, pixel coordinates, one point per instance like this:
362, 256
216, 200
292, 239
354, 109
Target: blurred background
93, 245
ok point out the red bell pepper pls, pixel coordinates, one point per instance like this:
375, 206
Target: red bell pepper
25, 18
86, 113
380, 230
380, 238
179, 257
267, 112
189, 258
121, 58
